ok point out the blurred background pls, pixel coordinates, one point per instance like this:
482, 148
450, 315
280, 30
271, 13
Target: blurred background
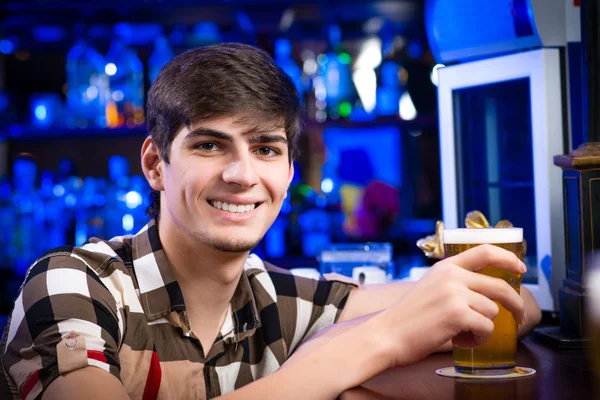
501, 87
73, 79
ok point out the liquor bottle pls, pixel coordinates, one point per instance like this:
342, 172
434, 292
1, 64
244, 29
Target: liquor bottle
54, 212
116, 194
125, 107
90, 213
68, 188
29, 217
162, 54
87, 85
390, 88
334, 91
136, 201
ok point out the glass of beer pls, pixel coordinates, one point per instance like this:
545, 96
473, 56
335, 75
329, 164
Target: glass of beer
498, 355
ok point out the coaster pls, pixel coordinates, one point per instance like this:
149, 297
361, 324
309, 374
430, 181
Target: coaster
519, 372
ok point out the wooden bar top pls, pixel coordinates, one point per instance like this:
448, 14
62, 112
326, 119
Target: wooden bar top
561, 374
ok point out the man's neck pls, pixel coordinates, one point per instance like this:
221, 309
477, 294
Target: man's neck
207, 277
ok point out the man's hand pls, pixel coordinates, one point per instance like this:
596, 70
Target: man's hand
371, 298
451, 302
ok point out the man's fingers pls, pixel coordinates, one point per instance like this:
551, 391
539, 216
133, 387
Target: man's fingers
499, 290
466, 340
476, 332
485, 255
484, 306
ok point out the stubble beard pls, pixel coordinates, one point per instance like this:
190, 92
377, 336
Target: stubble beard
226, 246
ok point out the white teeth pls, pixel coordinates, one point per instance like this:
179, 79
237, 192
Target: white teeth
232, 208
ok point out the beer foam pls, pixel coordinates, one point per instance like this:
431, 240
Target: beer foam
483, 235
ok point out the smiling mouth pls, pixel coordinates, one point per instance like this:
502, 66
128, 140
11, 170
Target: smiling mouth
233, 208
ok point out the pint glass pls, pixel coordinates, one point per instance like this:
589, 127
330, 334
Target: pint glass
498, 355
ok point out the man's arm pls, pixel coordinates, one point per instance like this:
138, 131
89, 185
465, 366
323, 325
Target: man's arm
322, 369
449, 303
89, 383
321, 374
64, 331
368, 299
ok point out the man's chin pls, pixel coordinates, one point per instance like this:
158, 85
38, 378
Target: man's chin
229, 245
233, 247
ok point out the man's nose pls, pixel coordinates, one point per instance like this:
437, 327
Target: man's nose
241, 171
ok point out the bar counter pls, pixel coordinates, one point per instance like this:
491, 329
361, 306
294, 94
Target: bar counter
561, 375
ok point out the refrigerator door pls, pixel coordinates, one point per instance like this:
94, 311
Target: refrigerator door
500, 126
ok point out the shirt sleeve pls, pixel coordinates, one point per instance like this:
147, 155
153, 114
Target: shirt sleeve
307, 305
63, 319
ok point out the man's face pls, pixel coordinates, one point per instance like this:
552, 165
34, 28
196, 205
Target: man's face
225, 183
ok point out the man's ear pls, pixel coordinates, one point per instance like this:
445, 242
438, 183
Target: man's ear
152, 164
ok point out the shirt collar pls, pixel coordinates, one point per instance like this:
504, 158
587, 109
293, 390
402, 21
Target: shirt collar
161, 295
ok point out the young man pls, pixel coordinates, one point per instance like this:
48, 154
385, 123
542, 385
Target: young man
182, 310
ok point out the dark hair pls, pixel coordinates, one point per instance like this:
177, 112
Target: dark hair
209, 82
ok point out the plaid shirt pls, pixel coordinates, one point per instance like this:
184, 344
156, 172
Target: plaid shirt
115, 305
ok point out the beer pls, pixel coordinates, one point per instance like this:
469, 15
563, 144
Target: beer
498, 355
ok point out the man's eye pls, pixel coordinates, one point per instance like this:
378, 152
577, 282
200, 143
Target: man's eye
207, 146
267, 152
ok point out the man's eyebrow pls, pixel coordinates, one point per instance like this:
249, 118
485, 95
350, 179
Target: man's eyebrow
253, 136
266, 138
208, 132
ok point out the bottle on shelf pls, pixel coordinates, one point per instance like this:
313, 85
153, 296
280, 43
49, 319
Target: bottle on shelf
55, 227
90, 213
87, 86
125, 105
28, 208
136, 201
162, 54
116, 210
334, 91
390, 88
